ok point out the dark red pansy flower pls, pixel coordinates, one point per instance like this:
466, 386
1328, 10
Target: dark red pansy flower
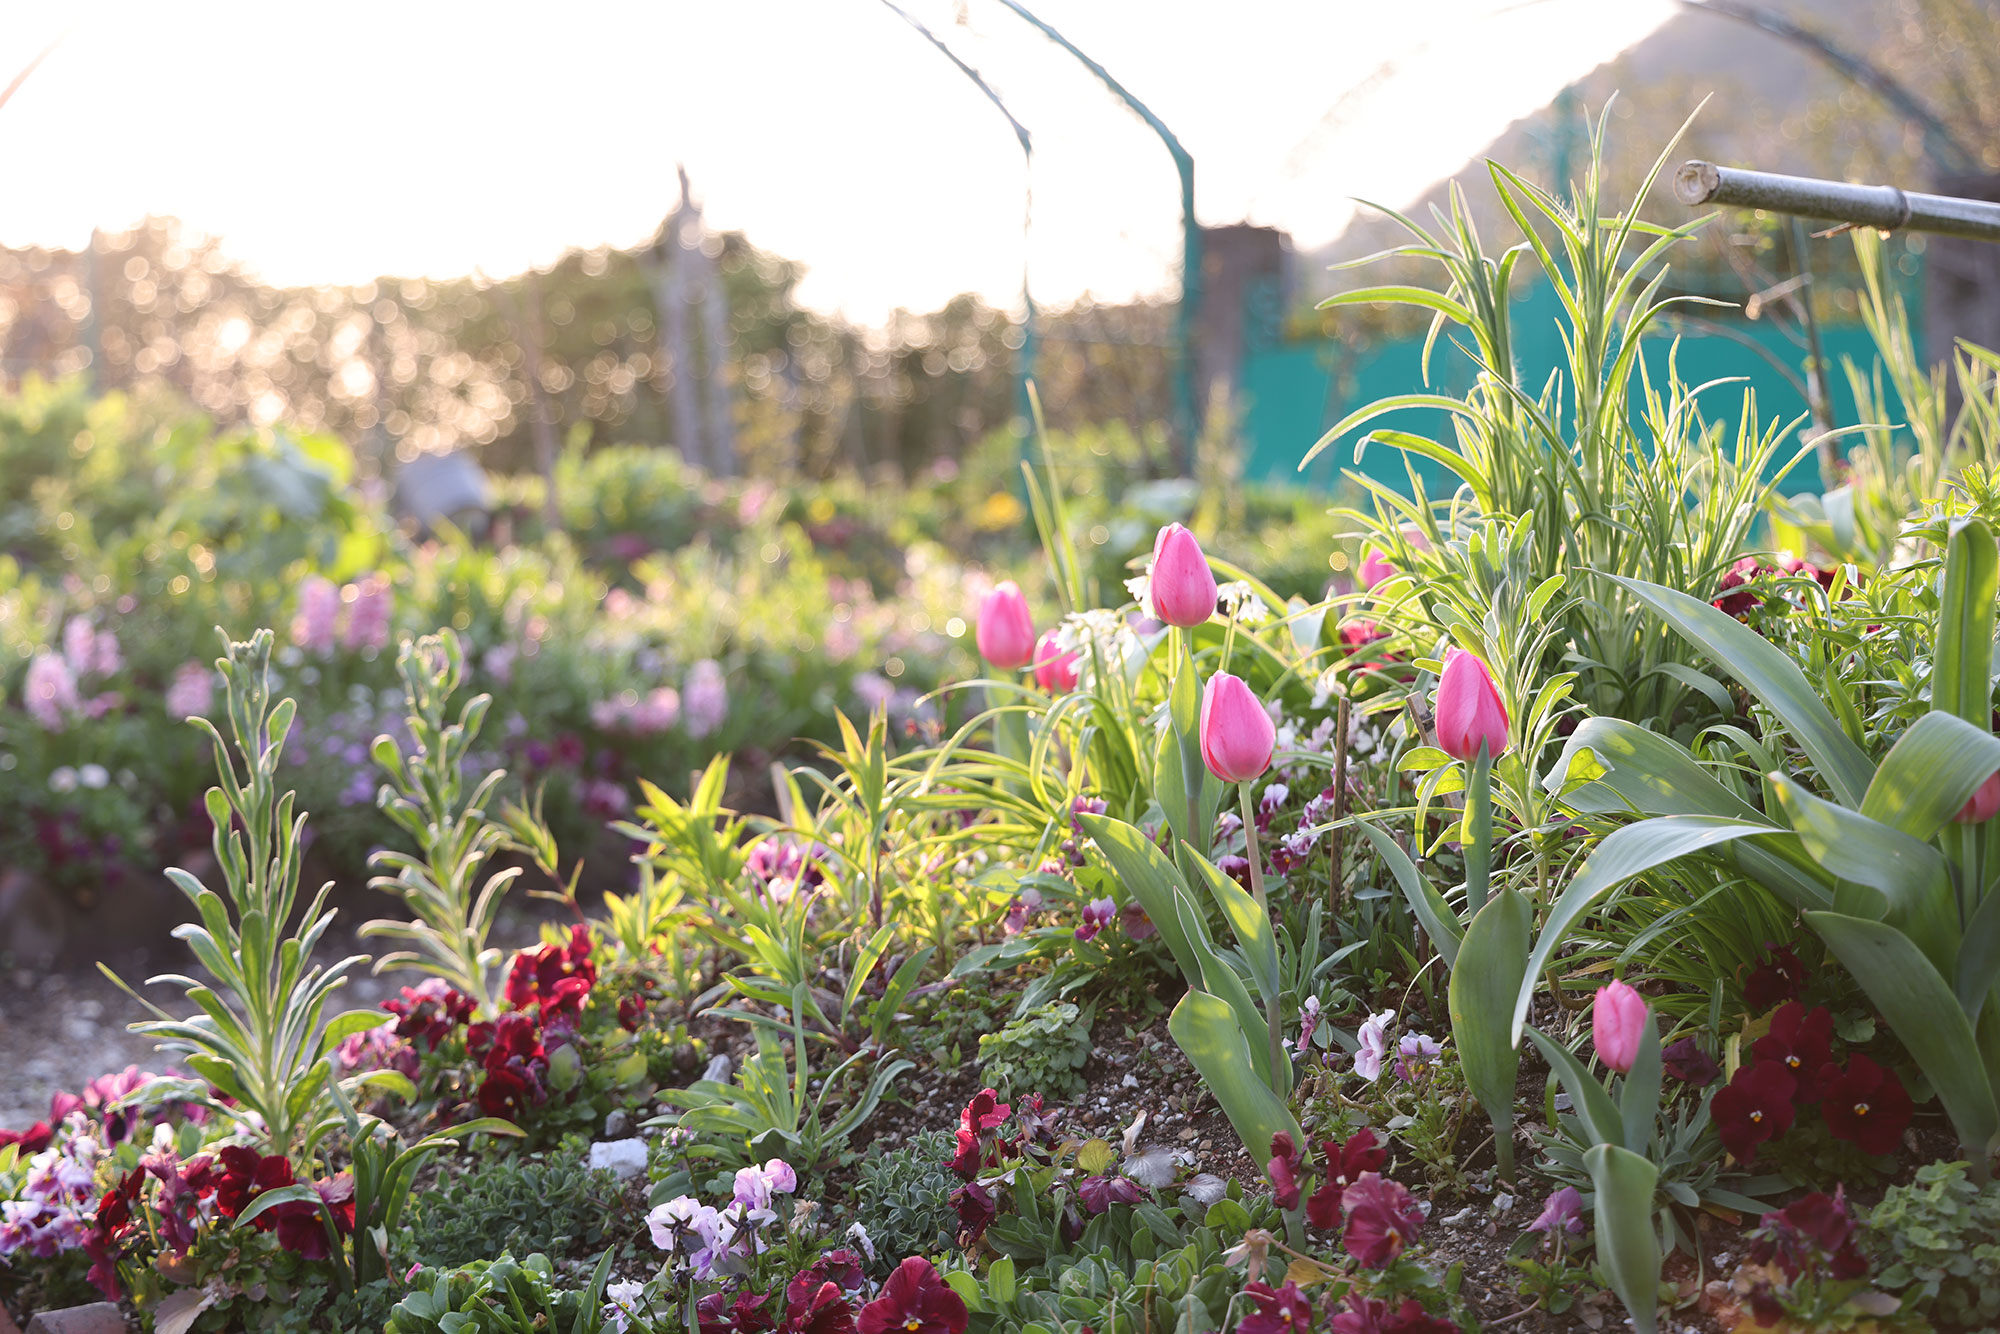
1800, 1040
1687, 1062
1345, 1163
245, 1175
976, 1124
109, 1230
1372, 1315
965, 1162
1736, 577
632, 1012
822, 1311
1382, 1218
429, 1012
1283, 1171
915, 1300
32, 1140
1781, 977
985, 1112
533, 978
976, 1209
1101, 1192
1865, 1104
1815, 1233
1753, 1107
733, 1313
1284, 1310
843, 1267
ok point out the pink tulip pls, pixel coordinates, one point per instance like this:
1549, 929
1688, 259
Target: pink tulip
1006, 632
1375, 563
1237, 735
1183, 585
1618, 1017
1470, 714
1055, 669
1984, 805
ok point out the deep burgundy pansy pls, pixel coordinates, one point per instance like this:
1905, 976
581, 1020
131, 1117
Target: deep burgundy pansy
1781, 977
1285, 1310
1815, 1233
1801, 1040
1382, 1219
1865, 1104
1283, 1171
1372, 1315
915, 1300
1755, 1106
1687, 1062
1345, 1163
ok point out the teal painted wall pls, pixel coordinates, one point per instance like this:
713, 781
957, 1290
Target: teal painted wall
1293, 392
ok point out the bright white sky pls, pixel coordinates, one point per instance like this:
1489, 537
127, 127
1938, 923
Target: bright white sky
336, 142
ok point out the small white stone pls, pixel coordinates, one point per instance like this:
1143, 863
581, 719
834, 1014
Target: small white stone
1502, 1202
623, 1158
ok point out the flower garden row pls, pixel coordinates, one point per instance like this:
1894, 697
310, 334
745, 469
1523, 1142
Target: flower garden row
1588, 879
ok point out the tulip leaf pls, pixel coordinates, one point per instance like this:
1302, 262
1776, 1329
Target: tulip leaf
1930, 773
1911, 877
1207, 1031
1627, 1245
1639, 1100
1767, 673
1251, 923
1961, 671
1623, 854
1429, 906
1644, 772
1925, 1014
1979, 961
1220, 980
1152, 879
1491, 963
1601, 1119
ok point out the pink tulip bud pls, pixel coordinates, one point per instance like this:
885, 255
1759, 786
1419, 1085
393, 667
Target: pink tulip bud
1375, 563
1618, 1017
1055, 669
1984, 805
1470, 715
1183, 585
1237, 735
1006, 632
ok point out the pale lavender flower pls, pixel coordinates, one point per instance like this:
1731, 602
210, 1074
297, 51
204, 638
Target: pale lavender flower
706, 698
1097, 915
49, 693
1562, 1212
755, 1186
1374, 1046
1413, 1053
1308, 1023
318, 617
372, 605
191, 694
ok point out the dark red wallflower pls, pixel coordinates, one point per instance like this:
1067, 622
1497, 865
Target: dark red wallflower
1382, 1219
1736, 577
1800, 1040
1756, 1105
1283, 1171
1345, 1163
511, 1053
535, 973
1781, 977
430, 1012
110, 1230
1284, 1310
1371, 1315
1687, 1062
32, 1140
985, 1112
975, 1210
632, 1012
1101, 1192
740, 1313
977, 1144
1865, 1104
1815, 1233
915, 1300
823, 1310
843, 1268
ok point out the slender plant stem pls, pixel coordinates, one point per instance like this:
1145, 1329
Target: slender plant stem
1337, 875
1478, 832
1256, 856
1196, 837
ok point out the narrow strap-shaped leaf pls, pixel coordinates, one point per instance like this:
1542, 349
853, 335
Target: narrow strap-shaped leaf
1930, 773
1251, 924
1220, 980
1912, 877
1429, 906
1767, 673
1643, 771
1961, 674
1207, 1031
1602, 1120
1151, 878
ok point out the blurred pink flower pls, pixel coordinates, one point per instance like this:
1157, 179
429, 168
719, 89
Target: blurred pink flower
706, 698
49, 692
374, 605
318, 616
90, 651
192, 691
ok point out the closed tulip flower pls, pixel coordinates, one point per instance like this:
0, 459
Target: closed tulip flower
1375, 563
1055, 668
1006, 632
1237, 735
1984, 805
1618, 1016
1183, 586
1470, 715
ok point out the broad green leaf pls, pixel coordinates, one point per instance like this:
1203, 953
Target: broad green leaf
1639, 1100
1912, 878
1206, 1029
1487, 976
1766, 672
1627, 1246
1930, 773
1250, 922
1644, 772
1219, 979
1623, 854
1926, 1016
1961, 682
1430, 907
1600, 1116
1151, 878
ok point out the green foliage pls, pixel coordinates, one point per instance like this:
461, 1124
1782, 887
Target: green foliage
259, 1039
500, 1296
1936, 1241
546, 1202
903, 1197
1042, 1051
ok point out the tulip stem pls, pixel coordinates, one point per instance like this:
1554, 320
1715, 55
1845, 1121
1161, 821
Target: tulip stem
1192, 774
1478, 831
1256, 859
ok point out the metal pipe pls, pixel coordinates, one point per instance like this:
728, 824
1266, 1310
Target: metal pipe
1882, 206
